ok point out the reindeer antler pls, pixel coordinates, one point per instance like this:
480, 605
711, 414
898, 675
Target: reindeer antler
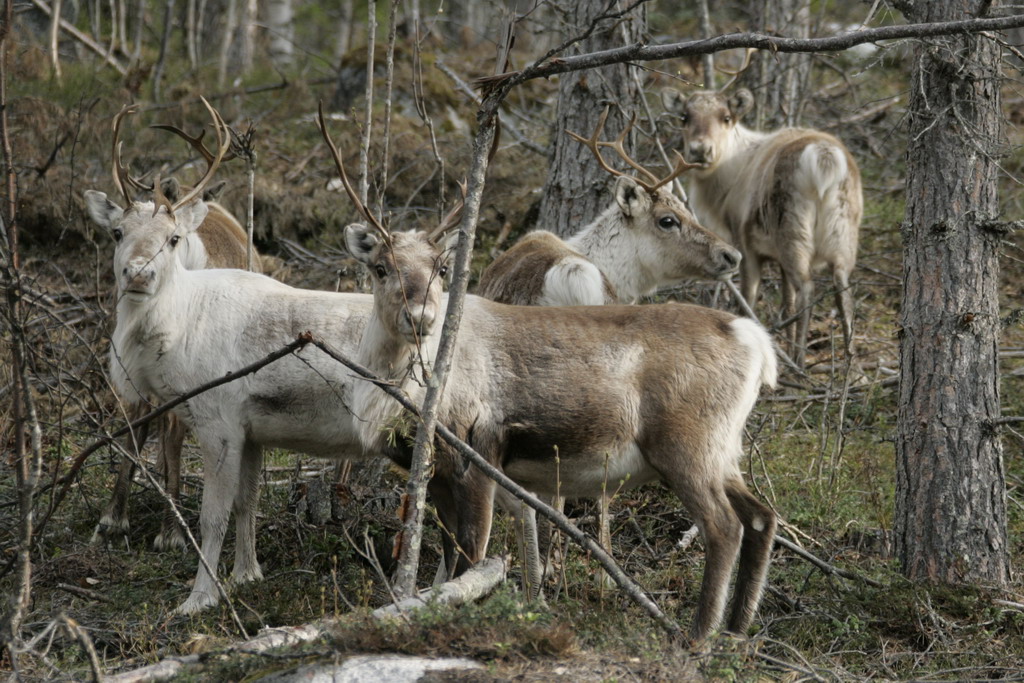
748, 55
594, 145
370, 218
213, 161
122, 179
196, 142
452, 218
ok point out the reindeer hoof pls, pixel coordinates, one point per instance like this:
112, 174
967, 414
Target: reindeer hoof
197, 602
170, 539
109, 529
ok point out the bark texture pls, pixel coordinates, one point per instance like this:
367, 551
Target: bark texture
778, 81
950, 524
577, 189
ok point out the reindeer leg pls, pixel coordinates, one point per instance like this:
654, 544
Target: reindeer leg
525, 520
474, 497
222, 456
844, 302
114, 520
755, 552
247, 567
171, 535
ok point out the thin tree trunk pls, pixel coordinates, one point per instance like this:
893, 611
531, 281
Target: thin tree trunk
364, 147
158, 72
230, 28
577, 188
191, 34
950, 523
280, 32
778, 81
54, 38
344, 30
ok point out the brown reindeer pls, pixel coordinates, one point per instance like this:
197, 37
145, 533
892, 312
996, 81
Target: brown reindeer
645, 240
633, 394
219, 242
792, 195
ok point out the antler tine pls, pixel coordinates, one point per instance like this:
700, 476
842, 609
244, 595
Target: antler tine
121, 178
747, 57
223, 143
682, 165
370, 218
196, 142
452, 218
619, 146
594, 146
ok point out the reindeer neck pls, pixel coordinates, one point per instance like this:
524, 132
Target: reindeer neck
607, 243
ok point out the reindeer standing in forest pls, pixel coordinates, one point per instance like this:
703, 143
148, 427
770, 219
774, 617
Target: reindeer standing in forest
178, 329
792, 195
622, 393
645, 240
219, 242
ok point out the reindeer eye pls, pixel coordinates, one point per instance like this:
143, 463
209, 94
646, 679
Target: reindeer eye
668, 222
727, 119
117, 234
174, 240
442, 271
381, 271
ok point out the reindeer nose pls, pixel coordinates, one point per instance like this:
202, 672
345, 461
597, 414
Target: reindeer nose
727, 260
698, 152
418, 321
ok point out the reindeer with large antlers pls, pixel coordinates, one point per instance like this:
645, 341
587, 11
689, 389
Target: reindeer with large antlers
219, 242
645, 240
178, 329
626, 393
792, 195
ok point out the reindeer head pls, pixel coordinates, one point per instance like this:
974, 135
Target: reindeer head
407, 268
708, 119
150, 235
671, 242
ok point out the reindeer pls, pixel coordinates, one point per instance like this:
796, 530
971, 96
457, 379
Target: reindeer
645, 240
178, 329
792, 195
631, 393
219, 242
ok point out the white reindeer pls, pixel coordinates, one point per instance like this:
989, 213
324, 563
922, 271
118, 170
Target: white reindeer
792, 195
645, 240
219, 242
626, 393
178, 329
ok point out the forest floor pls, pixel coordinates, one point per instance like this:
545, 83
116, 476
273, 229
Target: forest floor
820, 448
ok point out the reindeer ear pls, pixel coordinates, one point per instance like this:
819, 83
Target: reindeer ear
632, 199
103, 212
361, 241
170, 188
673, 100
191, 215
740, 103
213, 191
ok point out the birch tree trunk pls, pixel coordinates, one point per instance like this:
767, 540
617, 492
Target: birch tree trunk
950, 524
280, 32
577, 189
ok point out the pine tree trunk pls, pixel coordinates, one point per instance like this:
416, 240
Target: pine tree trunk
577, 189
950, 524
778, 80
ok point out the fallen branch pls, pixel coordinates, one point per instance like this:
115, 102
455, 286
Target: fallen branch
472, 585
825, 566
